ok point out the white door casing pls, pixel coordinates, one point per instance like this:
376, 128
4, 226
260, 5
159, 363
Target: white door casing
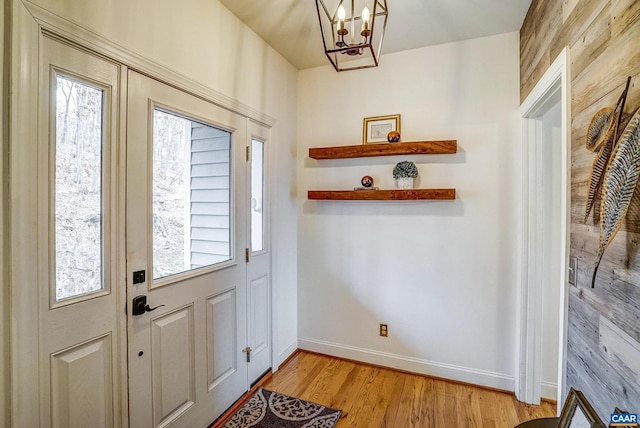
552, 86
186, 364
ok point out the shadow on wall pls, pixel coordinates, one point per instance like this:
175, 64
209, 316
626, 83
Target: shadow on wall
427, 208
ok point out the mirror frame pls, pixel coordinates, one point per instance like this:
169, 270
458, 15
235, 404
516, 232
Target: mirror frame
574, 400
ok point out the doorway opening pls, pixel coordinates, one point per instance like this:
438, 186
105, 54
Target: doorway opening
541, 353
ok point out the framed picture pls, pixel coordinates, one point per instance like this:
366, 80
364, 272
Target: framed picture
375, 129
578, 413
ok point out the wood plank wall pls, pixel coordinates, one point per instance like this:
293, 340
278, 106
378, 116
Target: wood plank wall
604, 323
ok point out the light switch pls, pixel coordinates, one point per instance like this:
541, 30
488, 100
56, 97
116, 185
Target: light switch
573, 271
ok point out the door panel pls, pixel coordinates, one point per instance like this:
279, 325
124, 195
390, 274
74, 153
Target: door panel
81, 387
186, 202
221, 360
77, 211
259, 310
173, 364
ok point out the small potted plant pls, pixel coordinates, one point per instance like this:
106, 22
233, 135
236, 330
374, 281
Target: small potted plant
405, 172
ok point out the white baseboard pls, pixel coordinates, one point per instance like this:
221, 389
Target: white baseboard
410, 364
283, 355
549, 390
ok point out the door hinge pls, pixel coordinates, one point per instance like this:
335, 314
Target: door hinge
248, 153
246, 255
248, 352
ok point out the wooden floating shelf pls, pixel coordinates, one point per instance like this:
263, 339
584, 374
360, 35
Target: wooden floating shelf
385, 149
383, 195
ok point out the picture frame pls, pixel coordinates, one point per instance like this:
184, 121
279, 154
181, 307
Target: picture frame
578, 413
375, 129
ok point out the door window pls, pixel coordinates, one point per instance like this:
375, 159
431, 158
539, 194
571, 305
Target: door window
78, 188
257, 195
191, 194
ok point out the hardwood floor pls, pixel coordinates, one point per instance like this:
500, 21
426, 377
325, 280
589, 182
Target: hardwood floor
372, 396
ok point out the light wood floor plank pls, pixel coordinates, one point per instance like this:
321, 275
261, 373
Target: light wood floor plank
395, 395
371, 396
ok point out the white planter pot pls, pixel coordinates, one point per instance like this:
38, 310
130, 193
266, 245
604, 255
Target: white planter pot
405, 183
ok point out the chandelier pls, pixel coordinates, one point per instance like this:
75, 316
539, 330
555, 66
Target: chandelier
351, 35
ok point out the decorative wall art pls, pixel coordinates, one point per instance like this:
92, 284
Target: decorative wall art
375, 129
601, 136
615, 170
620, 180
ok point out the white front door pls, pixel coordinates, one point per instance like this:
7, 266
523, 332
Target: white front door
186, 234
259, 256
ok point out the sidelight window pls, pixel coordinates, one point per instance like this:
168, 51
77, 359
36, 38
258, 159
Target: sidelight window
78, 188
257, 195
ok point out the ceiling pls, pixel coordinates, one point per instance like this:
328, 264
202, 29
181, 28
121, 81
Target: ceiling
291, 26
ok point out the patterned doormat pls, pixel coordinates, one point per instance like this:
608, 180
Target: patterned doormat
267, 409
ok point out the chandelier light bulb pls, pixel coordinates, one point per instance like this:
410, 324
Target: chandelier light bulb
341, 15
366, 15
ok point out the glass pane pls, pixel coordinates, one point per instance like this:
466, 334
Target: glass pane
191, 195
257, 194
78, 189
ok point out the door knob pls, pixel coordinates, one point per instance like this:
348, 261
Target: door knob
140, 306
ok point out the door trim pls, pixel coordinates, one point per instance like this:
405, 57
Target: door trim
23, 140
529, 348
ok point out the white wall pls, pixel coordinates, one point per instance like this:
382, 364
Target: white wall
202, 40
442, 274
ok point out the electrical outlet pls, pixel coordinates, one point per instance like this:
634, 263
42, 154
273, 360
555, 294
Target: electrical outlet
384, 331
573, 271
